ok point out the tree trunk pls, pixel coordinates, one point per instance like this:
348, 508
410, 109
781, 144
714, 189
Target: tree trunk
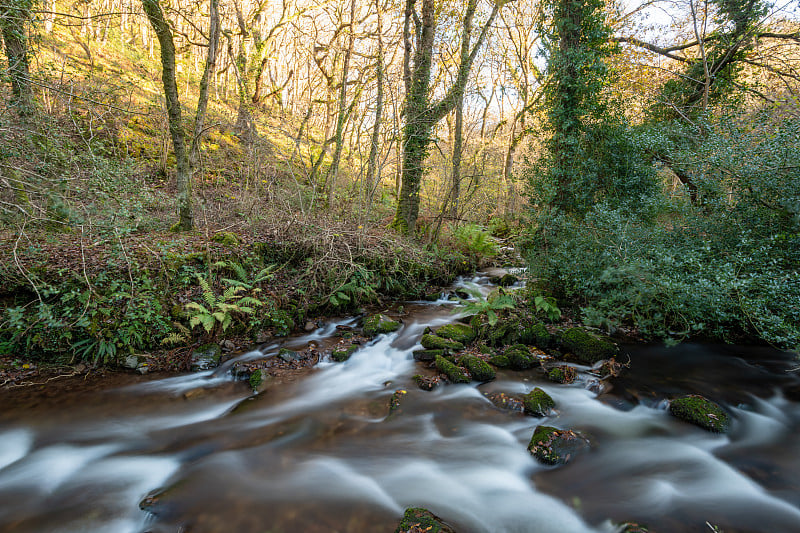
14, 18
458, 147
421, 115
376, 128
208, 72
156, 17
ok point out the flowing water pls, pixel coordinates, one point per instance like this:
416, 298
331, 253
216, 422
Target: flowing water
323, 454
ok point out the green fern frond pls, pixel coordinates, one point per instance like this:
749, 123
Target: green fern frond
174, 338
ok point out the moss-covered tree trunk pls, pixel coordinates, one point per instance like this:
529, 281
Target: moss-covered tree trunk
164, 34
14, 18
208, 72
422, 115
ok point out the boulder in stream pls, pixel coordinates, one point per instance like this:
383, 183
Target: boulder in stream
454, 373
457, 332
535, 334
538, 403
427, 355
588, 347
562, 374
478, 368
701, 412
519, 357
417, 519
377, 324
343, 354
434, 342
206, 357
505, 402
555, 446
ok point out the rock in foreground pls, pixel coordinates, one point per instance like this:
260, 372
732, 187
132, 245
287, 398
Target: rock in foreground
554, 446
700, 412
418, 519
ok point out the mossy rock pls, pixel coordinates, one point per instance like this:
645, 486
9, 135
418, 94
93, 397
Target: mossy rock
427, 355
226, 238
478, 368
206, 357
535, 335
562, 374
457, 332
701, 412
504, 332
256, 379
500, 360
434, 342
633, 527
520, 357
288, 355
454, 373
418, 519
507, 280
538, 403
588, 348
378, 324
344, 354
432, 296
555, 446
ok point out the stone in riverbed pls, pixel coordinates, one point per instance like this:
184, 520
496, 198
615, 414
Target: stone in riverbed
206, 357
426, 383
555, 446
457, 332
478, 368
454, 374
701, 412
538, 403
505, 402
343, 354
427, 355
535, 334
434, 342
378, 324
587, 347
520, 357
417, 519
562, 374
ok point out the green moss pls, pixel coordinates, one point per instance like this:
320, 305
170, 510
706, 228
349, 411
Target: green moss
394, 402
256, 378
378, 324
519, 357
425, 382
427, 355
419, 519
478, 368
226, 238
538, 403
535, 335
504, 332
562, 374
343, 355
507, 280
588, 347
500, 360
454, 374
434, 342
457, 332
700, 412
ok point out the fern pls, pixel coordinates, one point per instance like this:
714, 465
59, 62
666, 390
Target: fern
489, 306
220, 310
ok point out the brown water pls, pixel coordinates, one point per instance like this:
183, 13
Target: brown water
322, 454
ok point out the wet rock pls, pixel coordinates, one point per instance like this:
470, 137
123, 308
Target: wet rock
464, 295
457, 332
562, 374
535, 334
507, 280
261, 337
701, 412
206, 357
227, 346
504, 332
289, 355
632, 527
426, 383
343, 354
520, 357
378, 324
538, 403
427, 355
554, 446
503, 401
454, 374
417, 519
310, 326
137, 363
478, 368
588, 347
434, 342
432, 296
394, 402
258, 380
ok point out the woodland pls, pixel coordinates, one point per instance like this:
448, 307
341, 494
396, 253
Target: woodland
178, 172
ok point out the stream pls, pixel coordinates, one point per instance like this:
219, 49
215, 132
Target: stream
323, 454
